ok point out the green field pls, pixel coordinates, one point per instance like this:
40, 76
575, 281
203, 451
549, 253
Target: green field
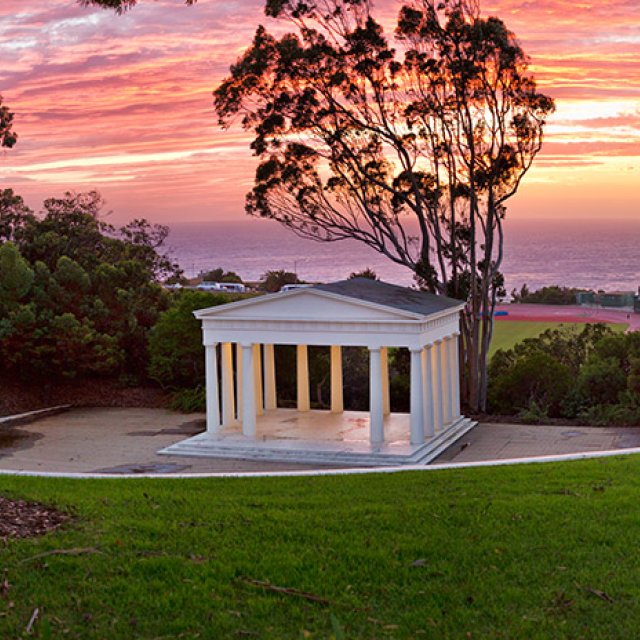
506, 333
532, 551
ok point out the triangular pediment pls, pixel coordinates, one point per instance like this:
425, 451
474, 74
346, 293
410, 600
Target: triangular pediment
307, 304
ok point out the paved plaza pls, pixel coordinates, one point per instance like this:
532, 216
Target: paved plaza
127, 440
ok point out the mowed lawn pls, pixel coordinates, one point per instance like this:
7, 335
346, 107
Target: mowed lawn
506, 333
532, 551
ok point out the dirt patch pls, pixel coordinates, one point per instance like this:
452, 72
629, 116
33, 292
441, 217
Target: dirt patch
15, 439
20, 519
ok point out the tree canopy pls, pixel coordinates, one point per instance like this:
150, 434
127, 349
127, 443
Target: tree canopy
77, 296
412, 148
8, 137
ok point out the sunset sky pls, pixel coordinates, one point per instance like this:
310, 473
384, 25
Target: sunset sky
123, 104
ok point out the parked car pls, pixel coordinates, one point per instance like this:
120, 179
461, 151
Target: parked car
291, 287
227, 287
208, 286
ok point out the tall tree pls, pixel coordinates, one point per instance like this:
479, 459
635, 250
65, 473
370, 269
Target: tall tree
8, 137
413, 150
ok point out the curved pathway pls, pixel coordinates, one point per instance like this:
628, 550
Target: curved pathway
125, 441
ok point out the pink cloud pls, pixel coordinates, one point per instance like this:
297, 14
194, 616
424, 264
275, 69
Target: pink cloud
87, 85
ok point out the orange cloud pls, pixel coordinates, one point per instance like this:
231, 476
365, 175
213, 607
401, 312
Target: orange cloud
123, 104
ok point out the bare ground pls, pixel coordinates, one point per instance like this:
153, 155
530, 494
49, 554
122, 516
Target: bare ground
20, 519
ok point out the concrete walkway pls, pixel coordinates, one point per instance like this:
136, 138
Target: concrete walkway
126, 441
113, 441
504, 441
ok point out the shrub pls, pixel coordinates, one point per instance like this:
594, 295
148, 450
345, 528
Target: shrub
534, 378
600, 382
176, 354
190, 400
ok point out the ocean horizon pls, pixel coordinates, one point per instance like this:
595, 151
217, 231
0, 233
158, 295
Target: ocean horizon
593, 254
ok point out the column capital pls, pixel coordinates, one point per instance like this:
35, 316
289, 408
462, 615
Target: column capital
374, 348
416, 349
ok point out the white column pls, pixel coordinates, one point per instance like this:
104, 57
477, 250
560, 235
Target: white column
211, 374
444, 373
302, 370
455, 369
270, 398
429, 408
451, 371
248, 393
337, 399
239, 379
437, 387
386, 401
257, 379
376, 403
417, 401
228, 395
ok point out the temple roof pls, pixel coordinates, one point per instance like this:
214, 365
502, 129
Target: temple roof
390, 295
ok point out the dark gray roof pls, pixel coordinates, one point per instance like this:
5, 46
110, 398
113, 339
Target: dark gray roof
390, 295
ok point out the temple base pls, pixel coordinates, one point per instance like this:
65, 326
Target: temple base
319, 437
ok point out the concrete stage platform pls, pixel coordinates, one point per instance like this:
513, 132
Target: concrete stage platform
321, 437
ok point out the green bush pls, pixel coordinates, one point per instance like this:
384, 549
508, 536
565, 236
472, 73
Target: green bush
534, 414
176, 354
190, 400
624, 414
601, 381
533, 378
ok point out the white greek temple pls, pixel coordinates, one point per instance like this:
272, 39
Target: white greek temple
243, 419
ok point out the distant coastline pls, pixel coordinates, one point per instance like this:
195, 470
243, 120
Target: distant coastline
575, 254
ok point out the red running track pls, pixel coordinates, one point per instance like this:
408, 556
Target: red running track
561, 313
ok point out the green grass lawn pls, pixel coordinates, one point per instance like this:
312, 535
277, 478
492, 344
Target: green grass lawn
506, 333
534, 551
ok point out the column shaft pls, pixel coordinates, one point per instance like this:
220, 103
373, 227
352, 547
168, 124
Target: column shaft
429, 408
248, 392
417, 400
239, 382
452, 371
212, 391
455, 366
386, 400
337, 399
228, 394
302, 368
437, 387
444, 374
270, 397
376, 404
257, 375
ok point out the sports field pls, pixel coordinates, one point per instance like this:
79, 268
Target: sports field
506, 333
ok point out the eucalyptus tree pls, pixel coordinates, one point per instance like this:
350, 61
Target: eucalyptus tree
8, 137
412, 148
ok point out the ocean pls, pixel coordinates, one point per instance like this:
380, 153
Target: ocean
596, 254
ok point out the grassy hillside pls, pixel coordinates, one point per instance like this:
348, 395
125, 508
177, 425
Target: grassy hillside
536, 551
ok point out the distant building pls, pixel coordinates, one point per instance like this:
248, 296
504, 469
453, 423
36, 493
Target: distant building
614, 299
586, 297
